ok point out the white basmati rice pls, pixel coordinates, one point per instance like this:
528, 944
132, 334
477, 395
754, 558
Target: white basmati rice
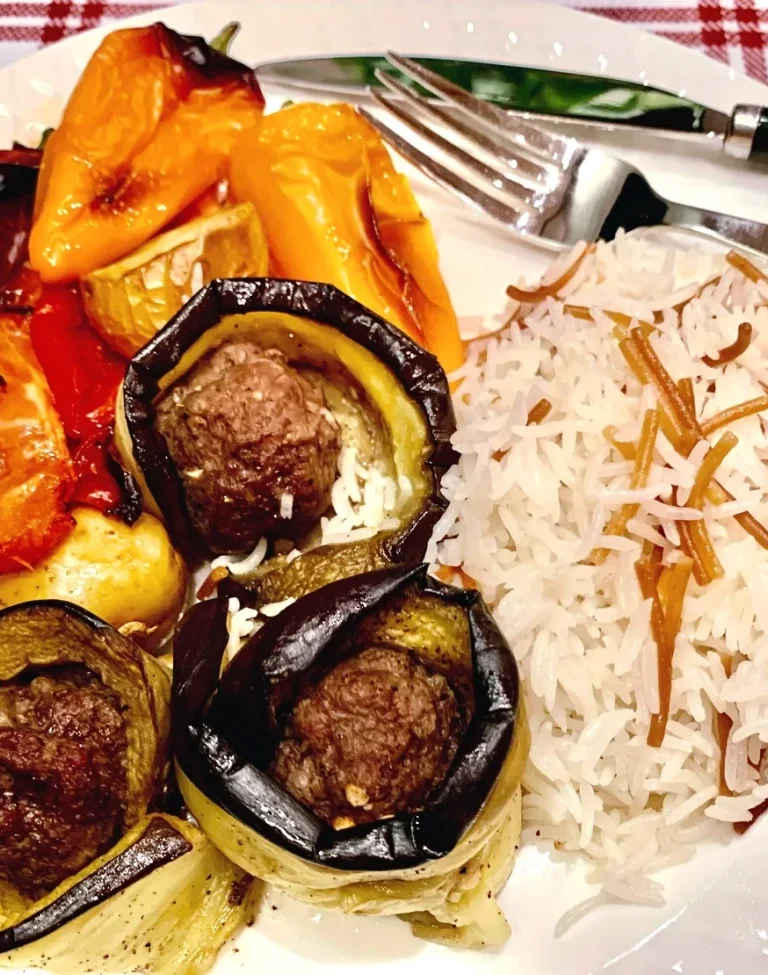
528, 504
364, 501
286, 505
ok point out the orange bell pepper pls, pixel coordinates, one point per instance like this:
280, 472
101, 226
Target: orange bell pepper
335, 210
149, 127
36, 474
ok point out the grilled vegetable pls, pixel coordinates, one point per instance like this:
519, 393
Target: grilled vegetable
162, 900
51, 633
151, 124
18, 171
36, 473
335, 210
83, 374
132, 904
438, 867
131, 300
388, 397
122, 574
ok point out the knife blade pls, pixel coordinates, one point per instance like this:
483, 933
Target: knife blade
549, 96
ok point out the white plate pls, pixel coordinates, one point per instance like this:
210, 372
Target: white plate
716, 920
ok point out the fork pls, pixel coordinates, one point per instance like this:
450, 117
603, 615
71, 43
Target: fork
531, 180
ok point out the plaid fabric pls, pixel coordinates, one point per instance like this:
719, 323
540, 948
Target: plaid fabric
734, 32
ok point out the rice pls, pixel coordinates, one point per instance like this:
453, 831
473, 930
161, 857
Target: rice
527, 506
286, 505
364, 499
243, 622
242, 567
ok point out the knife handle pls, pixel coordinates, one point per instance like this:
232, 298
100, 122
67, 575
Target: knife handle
747, 134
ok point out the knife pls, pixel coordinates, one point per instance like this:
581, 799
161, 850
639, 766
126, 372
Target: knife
542, 95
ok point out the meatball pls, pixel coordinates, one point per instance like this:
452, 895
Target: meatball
374, 737
63, 778
244, 429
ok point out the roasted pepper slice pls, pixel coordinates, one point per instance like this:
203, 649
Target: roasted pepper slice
36, 473
335, 210
150, 125
443, 863
83, 374
384, 389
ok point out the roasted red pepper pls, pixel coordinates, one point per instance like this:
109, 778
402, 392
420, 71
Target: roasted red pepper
83, 374
36, 473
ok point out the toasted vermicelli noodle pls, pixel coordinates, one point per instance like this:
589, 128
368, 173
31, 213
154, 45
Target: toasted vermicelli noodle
628, 698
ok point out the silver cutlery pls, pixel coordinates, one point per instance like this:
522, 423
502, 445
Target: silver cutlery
529, 179
556, 98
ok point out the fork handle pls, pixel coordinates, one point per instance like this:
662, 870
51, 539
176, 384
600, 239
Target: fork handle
730, 230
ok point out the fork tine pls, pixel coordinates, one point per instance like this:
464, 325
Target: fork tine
494, 208
537, 140
522, 196
530, 174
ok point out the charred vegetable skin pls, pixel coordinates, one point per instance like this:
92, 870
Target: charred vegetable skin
223, 748
18, 172
158, 843
423, 389
166, 872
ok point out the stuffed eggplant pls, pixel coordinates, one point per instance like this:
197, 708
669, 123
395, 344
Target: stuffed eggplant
87, 876
83, 741
363, 751
163, 899
266, 410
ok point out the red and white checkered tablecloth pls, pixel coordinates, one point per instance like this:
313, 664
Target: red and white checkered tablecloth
732, 31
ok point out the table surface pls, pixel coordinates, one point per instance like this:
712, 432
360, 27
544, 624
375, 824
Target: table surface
732, 31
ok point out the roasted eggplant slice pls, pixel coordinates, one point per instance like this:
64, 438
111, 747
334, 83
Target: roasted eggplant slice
349, 382
283, 760
162, 900
18, 180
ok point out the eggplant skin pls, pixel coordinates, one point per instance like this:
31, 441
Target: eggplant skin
418, 372
217, 747
162, 900
18, 172
158, 844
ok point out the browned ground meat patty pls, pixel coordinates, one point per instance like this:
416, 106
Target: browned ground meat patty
243, 428
62, 776
374, 737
